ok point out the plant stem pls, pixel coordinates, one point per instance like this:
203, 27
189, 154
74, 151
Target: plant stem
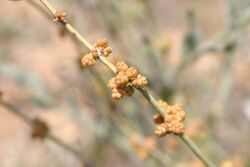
49, 136
196, 150
150, 98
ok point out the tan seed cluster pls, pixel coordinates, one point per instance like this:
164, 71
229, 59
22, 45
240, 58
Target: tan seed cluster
60, 16
172, 122
120, 83
40, 129
140, 81
88, 60
100, 48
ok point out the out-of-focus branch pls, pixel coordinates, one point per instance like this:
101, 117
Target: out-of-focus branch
11, 108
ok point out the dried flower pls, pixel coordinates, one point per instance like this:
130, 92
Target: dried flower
102, 43
177, 128
172, 121
121, 66
60, 16
121, 79
88, 60
124, 76
177, 112
107, 51
161, 130
117, 93
140, 81
131, 72
100, 46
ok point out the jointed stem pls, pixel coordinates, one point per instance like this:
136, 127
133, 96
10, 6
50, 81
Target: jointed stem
150, 98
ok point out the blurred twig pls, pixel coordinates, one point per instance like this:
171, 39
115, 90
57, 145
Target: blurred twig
221, 41
49, 136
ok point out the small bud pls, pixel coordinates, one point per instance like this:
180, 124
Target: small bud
117, 93
173, 119
102, 42
158, 119
161, 130
121, 66
179, 128
60, 16
140, 81
121, 79
107, 51
88, 60
131, 73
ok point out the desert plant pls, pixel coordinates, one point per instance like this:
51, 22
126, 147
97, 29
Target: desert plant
99, 52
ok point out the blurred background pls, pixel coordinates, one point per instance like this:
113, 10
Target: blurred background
193, 52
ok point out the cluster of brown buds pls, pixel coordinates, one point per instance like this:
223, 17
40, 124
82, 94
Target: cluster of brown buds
60, 16
101, 48
126, 78
172, 122
40, 129
143, 147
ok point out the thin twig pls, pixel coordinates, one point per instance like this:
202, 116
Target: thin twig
49, 136
196, 150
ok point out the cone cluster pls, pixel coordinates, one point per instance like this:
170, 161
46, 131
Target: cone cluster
100, 48
125, 80
172, 122
60, 16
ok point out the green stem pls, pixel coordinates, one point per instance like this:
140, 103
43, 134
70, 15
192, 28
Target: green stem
196, 151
